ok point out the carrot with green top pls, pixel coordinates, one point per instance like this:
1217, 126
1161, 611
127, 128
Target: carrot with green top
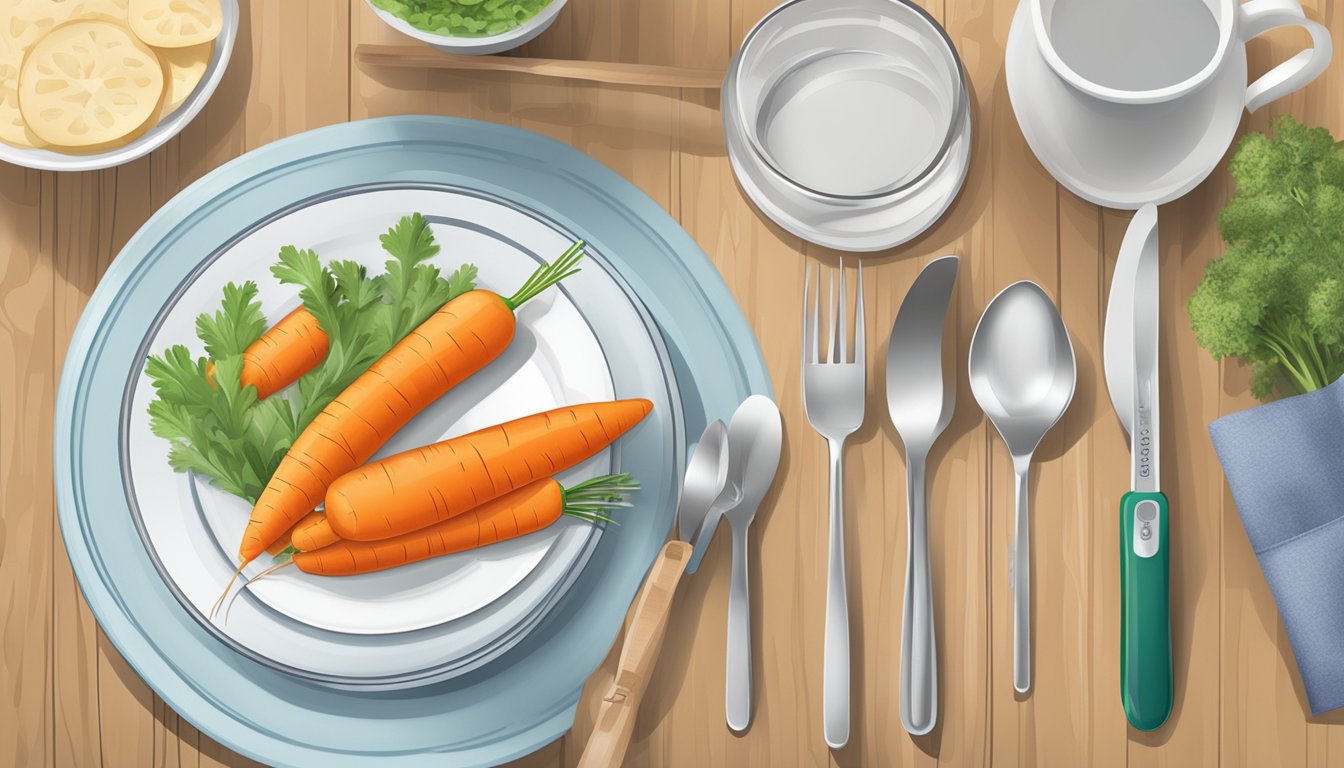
456, 341
517, 513
424, 486
280, 356
291, 348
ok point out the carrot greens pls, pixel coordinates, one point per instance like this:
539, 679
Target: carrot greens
218, 428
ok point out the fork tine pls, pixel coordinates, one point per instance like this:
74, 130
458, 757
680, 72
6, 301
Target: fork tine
832, 332
816, 319
809, 348
860, 341
842, 321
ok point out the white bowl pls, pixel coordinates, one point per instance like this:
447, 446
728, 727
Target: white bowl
476, 46
155, 137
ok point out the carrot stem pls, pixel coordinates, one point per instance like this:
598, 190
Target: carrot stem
590, 499
548, 275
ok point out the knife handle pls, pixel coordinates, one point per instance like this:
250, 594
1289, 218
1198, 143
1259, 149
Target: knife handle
1145, 615
616, 717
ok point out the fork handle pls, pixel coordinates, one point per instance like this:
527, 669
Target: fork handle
835, 671
919, 654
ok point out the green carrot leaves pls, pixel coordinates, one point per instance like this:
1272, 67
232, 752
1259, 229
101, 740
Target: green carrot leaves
218, 428
215, 425
415, 289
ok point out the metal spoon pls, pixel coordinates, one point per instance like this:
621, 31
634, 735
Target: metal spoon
754, 438
1022, 375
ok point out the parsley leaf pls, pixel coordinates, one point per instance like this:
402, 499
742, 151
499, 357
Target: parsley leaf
217, 427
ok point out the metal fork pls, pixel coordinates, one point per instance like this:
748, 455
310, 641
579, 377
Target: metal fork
834, 389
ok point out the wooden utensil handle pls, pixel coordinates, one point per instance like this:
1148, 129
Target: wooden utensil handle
616, 718
610, 72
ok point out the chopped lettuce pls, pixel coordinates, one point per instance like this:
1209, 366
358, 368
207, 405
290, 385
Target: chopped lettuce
463, 18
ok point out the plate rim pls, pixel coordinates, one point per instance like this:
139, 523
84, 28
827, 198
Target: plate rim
558, 167
509, 636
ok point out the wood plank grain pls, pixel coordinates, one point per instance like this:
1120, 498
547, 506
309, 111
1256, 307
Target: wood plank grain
100, 719
1263, 708
71, 700
27, 529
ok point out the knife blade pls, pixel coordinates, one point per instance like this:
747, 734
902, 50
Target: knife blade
1130, 357
920, 401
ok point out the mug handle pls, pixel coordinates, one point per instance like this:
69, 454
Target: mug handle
1260, 16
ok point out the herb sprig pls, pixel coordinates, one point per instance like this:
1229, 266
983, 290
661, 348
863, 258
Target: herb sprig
218, 428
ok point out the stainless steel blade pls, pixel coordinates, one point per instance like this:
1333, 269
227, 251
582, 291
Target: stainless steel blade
1118, 339
919, 400
1143, 438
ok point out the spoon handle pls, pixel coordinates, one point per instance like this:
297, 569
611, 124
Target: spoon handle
1021, 579
737, 687
919, 654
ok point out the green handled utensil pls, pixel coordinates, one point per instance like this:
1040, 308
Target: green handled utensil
1145, 625
1130, 355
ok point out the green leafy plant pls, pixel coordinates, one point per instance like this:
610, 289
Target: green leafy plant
218, 428
463, 18
1275, 298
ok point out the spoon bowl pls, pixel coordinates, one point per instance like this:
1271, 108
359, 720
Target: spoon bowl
706, 476
1022, 374
1022, 368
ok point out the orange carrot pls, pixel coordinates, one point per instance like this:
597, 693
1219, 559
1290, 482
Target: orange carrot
310, 520
424, 486
316, 536
455, 342
291, 348
525, 510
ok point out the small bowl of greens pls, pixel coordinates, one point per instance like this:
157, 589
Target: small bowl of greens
469, 26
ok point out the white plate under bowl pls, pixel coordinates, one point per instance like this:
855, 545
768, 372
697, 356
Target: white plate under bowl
449, 613
166, 128
1121, 155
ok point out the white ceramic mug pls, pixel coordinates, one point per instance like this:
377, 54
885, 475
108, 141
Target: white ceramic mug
1137, 52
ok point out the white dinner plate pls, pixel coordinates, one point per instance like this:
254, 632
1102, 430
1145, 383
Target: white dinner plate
437, 617
1121, 155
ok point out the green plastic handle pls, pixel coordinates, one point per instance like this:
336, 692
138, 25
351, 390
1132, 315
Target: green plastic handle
1145, 615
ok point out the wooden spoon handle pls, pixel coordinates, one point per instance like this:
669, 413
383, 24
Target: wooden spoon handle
611, 72
616, 718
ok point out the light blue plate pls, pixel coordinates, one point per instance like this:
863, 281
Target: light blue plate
517, 702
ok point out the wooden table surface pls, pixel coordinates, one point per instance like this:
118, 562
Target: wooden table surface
68, 699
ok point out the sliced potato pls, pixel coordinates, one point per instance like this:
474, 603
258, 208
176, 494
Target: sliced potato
88, 83
184, 68
22, 22
107, 10
176, 23
12, 128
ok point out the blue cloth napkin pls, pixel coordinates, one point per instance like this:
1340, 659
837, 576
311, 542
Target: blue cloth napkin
1285, 464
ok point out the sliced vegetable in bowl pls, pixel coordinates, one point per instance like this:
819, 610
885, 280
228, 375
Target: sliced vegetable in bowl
87, 83
466, 27
463, 18
175, 23
82, 88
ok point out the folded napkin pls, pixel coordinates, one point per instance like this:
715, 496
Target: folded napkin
1285, 464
